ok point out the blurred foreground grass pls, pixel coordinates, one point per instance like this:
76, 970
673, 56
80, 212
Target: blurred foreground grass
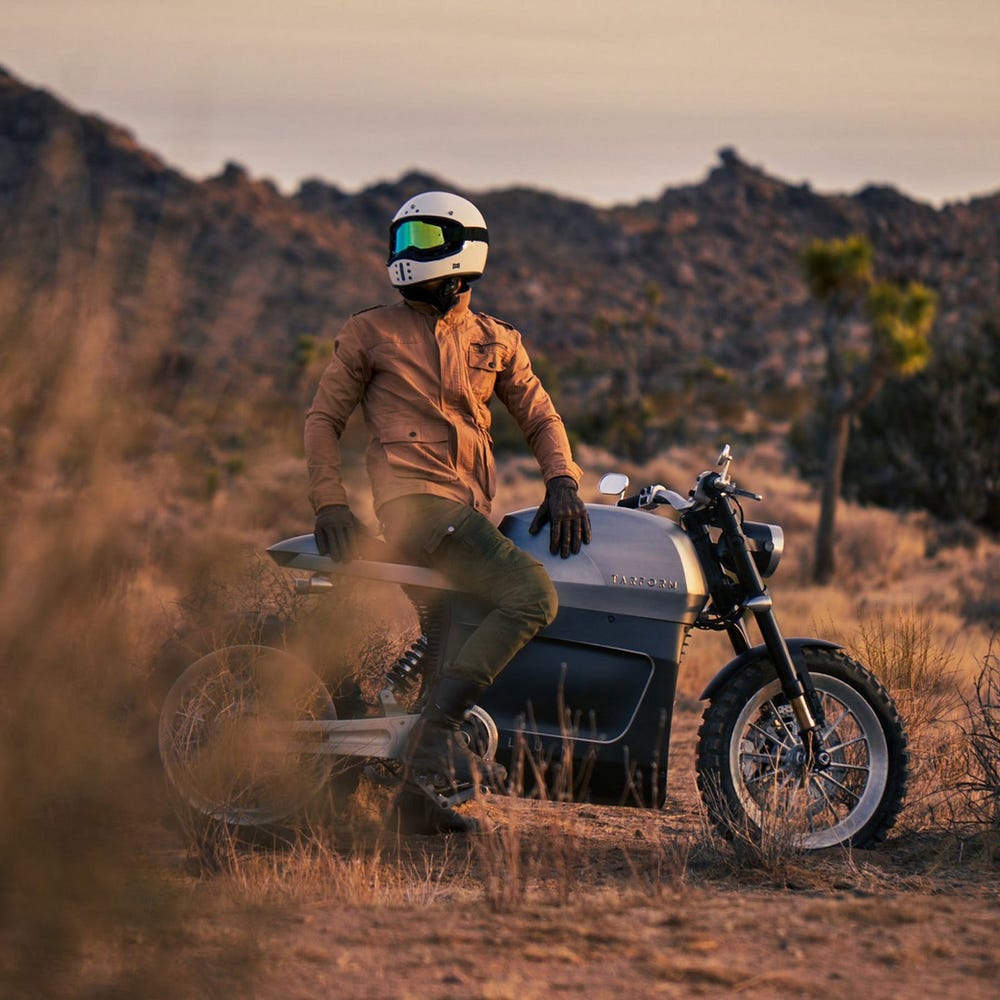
79, 787
100, 538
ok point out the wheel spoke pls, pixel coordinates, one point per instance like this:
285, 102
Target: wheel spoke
839, 784
825, 799
756, 779
849, 743
833, 727
844, 766
769, 736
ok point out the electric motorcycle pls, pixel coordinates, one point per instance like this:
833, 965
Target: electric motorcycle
795, 731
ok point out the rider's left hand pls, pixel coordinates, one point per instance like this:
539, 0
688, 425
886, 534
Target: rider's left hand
567, 516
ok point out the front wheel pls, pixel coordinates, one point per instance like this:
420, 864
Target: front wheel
755, 779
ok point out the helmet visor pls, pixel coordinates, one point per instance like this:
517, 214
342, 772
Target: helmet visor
430, 239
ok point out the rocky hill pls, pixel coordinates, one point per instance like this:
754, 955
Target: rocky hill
226, 287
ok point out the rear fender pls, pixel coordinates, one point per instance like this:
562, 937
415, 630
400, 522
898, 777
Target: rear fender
796, 647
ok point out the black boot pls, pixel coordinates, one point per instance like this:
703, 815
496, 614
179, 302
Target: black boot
440, 754
415, 812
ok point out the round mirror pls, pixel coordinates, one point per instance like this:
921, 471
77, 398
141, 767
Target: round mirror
613, 484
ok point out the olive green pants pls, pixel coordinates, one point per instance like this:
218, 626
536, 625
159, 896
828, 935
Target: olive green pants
463, 545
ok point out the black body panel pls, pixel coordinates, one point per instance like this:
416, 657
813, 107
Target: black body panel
594, 692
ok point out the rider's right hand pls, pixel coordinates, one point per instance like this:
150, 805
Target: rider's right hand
336, 532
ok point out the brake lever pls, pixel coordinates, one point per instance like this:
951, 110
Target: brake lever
676, 501
652, 496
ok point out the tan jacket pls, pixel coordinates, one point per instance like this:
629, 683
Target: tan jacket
424, 382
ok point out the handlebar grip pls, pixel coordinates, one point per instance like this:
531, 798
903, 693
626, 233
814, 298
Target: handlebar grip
631, 502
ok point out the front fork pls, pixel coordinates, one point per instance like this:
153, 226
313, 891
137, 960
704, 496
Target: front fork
796, 683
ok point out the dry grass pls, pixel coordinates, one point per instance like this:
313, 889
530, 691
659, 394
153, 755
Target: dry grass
74, 767
311, 869
922, 675
771, 849
979, 784
107, 550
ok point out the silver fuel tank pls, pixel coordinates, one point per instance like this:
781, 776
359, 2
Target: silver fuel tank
637, 564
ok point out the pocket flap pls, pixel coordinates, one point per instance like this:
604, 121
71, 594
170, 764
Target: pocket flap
488, 357
414, 432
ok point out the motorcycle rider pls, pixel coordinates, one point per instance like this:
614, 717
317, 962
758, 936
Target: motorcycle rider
423, 371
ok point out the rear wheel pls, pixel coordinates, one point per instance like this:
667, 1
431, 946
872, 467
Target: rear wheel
235, 739
753, 775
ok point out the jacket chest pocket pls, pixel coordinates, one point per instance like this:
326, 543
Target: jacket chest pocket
485, 362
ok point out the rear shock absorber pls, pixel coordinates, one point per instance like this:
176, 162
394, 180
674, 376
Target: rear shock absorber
403, 674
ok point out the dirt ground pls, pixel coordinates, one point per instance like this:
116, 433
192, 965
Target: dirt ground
577, 899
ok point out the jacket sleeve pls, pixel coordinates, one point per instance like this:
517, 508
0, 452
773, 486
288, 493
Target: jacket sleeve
521, 391
341, 388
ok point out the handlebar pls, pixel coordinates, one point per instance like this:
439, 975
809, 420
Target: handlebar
709, 487
651, 497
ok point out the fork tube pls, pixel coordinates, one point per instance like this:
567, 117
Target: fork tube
791, 684
759, 603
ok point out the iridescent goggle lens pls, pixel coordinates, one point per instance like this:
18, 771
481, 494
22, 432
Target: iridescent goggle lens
429, 239
417, 234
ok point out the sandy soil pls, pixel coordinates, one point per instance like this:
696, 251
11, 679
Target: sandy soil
576, 899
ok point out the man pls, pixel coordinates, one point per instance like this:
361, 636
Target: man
423, 371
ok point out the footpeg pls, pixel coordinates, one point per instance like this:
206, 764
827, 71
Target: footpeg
457, 798
447, 801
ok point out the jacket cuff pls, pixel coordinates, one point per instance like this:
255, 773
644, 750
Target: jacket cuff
566, 481
333, 497
571, 471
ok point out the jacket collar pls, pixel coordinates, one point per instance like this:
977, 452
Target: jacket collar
460, 307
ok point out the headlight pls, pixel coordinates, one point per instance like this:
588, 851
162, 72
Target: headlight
765, 543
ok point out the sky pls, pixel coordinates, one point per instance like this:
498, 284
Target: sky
609, 101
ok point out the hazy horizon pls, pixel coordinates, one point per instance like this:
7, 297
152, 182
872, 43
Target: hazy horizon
606, 103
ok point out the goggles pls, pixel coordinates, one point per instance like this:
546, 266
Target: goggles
430, 238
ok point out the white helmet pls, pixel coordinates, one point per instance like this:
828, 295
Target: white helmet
435, 235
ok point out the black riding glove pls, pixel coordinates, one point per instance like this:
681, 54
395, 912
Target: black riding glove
567, 516
336, 532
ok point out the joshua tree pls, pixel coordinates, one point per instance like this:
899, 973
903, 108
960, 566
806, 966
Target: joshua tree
871, 331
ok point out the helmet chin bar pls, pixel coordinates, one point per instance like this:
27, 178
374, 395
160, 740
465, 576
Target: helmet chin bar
442, 296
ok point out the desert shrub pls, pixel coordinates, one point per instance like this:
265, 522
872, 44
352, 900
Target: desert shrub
921, 674
771, 850
954, 534
979, 599
918, 668
980, 785
865, 549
